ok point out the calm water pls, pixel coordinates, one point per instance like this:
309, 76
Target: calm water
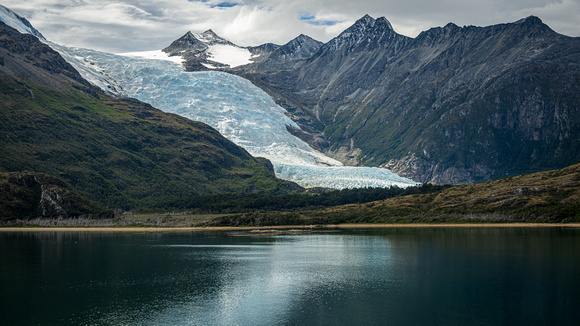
418, 276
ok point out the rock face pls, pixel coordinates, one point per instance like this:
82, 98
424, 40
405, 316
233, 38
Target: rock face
38, 195
275, 57
199, 51
186, 43
453, 105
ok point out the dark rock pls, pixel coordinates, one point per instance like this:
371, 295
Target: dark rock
38, 195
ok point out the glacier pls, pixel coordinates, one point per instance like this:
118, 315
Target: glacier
239, 110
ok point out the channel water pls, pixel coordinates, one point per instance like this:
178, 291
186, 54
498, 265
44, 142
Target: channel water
387, 276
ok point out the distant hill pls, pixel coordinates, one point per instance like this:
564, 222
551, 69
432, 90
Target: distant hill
118, 152
543, 197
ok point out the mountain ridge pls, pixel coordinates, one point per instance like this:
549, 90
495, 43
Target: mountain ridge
383, 99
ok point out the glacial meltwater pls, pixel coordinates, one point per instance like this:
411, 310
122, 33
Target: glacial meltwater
388, 276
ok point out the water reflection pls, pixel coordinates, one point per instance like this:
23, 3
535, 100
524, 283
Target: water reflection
430, 276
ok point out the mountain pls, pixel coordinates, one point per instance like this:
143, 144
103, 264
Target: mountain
119, 152
18, 22
207, 51
453, 105
278, 57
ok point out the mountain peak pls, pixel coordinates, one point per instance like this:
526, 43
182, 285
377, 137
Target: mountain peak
301, 47
209, 37
366, 18
18, 22
384, 21
209, 32
187, 42
304, 38
533, 25
530, 20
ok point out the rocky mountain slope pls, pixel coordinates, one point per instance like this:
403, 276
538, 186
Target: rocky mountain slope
453, 105
26, 195
119, 152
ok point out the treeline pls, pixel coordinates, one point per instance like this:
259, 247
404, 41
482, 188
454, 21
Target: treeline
239, 203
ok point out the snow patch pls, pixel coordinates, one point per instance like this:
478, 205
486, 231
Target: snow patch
231, 55
154, 55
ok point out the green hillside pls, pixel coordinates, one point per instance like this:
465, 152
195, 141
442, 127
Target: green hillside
544, 197
118, 152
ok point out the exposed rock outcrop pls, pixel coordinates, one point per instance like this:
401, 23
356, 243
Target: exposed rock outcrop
39, 195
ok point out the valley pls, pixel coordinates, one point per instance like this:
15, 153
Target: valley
370, 127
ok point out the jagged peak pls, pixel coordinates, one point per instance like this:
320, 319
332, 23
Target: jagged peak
210, 33
451, 26
365, 19
209, 37
533, 25
304, 38
188, 42
366, 23
21, 24
530, 20
302, 46
383, 20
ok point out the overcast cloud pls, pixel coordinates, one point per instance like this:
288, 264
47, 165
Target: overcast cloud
135, 25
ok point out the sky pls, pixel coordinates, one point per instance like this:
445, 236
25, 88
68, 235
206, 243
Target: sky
119, 26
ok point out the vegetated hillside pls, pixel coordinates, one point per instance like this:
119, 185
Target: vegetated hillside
119, 152
453, 105
26, 195
547, 197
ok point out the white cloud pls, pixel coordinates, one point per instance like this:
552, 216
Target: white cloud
133, 25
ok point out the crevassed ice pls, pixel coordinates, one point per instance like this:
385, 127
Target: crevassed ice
235, 107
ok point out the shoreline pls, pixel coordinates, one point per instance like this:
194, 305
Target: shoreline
279, 227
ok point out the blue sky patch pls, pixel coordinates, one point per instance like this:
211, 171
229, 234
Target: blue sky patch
225, 5
311, 19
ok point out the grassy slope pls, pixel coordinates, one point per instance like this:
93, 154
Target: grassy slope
551, 196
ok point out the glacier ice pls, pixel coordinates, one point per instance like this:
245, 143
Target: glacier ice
234, 106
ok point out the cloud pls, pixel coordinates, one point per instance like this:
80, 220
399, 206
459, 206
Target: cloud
133, 25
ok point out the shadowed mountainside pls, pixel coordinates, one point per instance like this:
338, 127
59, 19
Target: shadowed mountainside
453, 105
